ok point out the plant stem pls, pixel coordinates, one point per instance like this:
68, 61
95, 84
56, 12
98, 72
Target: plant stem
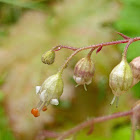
46, 134
90, 52
59, 47
126, 48
93, 121
133, 125
99, 45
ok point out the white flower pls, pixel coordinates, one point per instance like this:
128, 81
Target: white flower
49, 93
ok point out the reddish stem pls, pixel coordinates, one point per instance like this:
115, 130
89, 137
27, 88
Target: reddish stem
59, 47
127, 45
47, 134
122, 35
82, 125
96, 46
61, 136
90, 130
98, 119
93, 121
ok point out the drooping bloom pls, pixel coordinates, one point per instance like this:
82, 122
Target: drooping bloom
49, 93
120, 79
84, 71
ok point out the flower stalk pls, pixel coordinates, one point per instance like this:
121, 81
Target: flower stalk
97, 46
88, 123
126, 81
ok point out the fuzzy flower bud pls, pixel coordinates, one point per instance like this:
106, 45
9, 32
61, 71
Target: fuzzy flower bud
49, 93
84, 71
48, 57
135, 66
120, 79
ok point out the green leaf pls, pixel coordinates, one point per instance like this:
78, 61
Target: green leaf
37, 5
1, 96
5, 131
124, 133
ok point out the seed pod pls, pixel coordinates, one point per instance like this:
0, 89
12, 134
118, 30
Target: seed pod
84, 71
120, 78
48, 57
135, 66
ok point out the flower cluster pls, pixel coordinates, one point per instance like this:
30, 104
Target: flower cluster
121, 78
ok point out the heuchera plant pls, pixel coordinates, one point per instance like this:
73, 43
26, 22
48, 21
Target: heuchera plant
121, 79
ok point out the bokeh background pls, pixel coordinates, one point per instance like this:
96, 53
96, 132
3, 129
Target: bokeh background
30, 27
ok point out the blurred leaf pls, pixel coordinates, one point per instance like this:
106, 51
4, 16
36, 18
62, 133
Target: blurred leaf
1, 96
121, 133
3, 33
102, 86
38, 5
128, 24
64, 104
5, 131
2, 78
9, 14
129, 18
83, 136
124, 133
136, 90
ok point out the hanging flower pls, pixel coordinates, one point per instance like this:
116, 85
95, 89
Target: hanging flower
120, 79
84, 71
49, 93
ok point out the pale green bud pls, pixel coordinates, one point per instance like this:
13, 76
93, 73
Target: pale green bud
84, 71
49, 93
52, 88
48, 57
121, 78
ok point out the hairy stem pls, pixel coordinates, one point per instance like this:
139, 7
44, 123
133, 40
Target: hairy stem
59, 47
99, 45
90, 52
127, 46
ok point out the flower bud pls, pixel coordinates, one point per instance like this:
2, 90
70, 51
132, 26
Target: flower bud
135, 66
84, 71
48, 57
120, 79
49, 93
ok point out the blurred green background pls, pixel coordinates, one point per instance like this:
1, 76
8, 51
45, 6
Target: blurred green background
30, 27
